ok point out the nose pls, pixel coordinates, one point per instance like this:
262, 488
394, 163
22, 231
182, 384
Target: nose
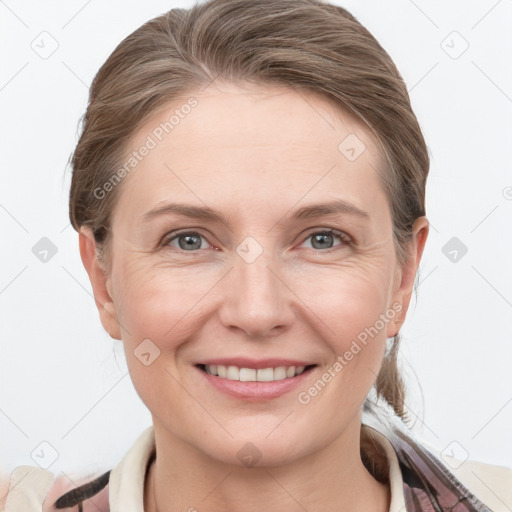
257, 300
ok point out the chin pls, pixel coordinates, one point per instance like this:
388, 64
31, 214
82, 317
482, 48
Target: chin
262, 449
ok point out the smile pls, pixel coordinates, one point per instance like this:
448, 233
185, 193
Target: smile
252, 374
254, 379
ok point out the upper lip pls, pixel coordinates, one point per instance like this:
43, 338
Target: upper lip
243, 362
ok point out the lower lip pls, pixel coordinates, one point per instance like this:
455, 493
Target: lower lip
254, 391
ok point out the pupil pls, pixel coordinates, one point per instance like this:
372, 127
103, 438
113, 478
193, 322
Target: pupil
320, 237
191, 242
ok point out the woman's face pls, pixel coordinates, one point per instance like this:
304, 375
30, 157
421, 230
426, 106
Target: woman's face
243, 274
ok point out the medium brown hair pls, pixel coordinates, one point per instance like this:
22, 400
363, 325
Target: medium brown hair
307, 45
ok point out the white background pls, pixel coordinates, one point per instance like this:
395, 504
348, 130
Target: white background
64, 380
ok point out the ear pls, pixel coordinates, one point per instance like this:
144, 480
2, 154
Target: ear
100, 281
406, 273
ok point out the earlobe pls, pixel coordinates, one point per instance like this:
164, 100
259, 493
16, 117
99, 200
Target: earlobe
100, 282
408, 271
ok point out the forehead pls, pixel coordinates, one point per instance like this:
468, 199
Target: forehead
265, 113
252, 144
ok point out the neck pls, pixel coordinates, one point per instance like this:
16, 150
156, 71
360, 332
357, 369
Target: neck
332, 479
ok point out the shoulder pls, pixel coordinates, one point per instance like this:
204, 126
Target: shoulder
491, 484
24, 488
434, 478
31, 489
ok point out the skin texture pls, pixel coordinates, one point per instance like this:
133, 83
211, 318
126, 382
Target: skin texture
256, 154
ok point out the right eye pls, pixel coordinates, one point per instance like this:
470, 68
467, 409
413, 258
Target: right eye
187, 241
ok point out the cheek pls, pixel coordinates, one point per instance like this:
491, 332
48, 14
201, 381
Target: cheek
152, 309
352, 316
160, 310
346, 300
153, 302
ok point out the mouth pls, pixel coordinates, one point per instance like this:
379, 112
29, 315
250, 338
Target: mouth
255, 381
243, 374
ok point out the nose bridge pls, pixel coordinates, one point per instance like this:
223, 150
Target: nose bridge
256, 301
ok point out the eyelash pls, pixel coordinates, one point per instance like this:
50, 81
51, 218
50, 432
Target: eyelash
344, 238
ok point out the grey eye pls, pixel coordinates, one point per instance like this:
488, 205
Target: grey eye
187, 241
320, 240
325, 239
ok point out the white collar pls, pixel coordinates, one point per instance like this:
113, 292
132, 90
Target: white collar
126, 483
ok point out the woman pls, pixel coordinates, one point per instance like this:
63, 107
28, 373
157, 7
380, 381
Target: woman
249, 194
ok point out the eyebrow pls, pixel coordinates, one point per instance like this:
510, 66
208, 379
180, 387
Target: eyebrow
338, 206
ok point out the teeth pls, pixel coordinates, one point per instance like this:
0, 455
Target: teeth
253, 375
280, 373
247, 374
233, 373
265, 374
299, 370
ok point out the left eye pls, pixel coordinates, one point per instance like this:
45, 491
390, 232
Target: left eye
320, 238
190, 240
